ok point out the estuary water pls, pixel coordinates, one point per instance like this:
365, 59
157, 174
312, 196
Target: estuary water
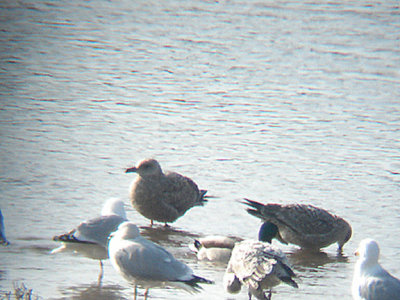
276, 101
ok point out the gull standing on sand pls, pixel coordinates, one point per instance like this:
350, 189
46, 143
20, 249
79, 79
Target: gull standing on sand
90, 238
162, 197
307, 226
258, 266
370, 280
146, 264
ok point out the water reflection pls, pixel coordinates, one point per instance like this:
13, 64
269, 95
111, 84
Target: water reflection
213, 266
168, 236
308, 259
94, 291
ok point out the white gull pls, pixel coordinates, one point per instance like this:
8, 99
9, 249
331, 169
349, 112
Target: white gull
370, 280
90, 238
146, 264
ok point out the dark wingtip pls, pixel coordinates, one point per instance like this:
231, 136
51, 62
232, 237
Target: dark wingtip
252, 203
194, 282
197, 244
290, 282
67, 237
203, 198
253, 212
198, 279
255, 208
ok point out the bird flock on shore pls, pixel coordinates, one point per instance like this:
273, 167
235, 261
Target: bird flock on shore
256, 265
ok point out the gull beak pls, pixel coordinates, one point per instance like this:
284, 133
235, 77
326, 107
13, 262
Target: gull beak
356, 253
131, 170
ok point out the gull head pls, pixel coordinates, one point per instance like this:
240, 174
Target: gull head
114, 206
126, 231
368, 250
146, 167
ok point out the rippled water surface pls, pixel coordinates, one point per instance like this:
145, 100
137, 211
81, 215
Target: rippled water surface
276, 101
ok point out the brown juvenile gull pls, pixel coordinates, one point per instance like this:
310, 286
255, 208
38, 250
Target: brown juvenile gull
307, 226
162, 197
259, 266
370, 280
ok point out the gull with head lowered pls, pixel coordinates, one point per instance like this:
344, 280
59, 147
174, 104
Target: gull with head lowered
370, 280
146, 264
162, 197
307, 226
90, 238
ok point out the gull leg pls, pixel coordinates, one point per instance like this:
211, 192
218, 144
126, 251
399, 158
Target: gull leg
269, 295
135, 292
100, 278
340, 250
146, 293
151, 223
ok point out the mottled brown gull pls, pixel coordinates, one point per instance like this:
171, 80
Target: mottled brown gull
163, 197
370, 280
146, 264
307, 226
259, 266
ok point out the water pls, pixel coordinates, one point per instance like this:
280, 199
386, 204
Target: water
276, 101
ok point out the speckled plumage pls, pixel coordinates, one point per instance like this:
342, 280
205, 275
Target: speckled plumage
307, 226
163, 197
259, 266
